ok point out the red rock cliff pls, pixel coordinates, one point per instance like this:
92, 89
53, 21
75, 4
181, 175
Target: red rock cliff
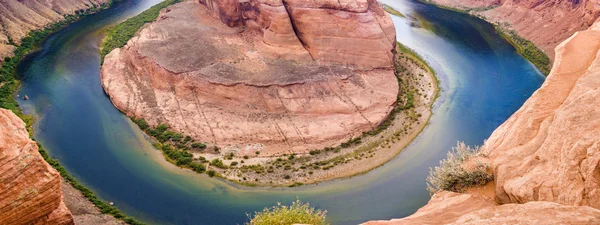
545, 22
545, 157
17, 18
30, 189
259, 75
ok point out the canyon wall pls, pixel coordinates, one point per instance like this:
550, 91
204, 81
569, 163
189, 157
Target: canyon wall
545, 22
545, 157
17, 18
270, 76
30, 189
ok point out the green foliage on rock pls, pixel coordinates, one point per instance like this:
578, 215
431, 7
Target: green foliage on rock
528, 50
297, 213
452, 174
122, 33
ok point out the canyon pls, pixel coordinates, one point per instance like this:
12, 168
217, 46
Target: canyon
545, 158
275, 77
544, 22
17, 18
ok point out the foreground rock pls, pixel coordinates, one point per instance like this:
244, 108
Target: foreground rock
545, 22
556, 134
545, 157
30, 189
17, 18
270, 76
455, 208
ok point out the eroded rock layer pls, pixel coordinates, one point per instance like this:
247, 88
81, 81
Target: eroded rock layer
545, 157
273, 76
30, 189
17, 18
545, 22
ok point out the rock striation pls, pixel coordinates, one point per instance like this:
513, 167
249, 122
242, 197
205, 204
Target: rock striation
545, 157
270, 76
17, 18
545, 22
30, 189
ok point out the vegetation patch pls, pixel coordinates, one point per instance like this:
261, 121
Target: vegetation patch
122, 33
452, 174
392, 11
527, 49
297, 213
176, 147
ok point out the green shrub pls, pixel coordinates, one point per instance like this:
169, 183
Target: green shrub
211, 173
451, 174
297, 213
122, 33
198, 145
218, 163
199, 168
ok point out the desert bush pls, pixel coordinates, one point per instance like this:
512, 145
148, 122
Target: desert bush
451, 175
297, 213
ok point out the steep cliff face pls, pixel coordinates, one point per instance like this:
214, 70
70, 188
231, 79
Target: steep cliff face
247, 76
545, 22
545, 157
30, 189
17, 18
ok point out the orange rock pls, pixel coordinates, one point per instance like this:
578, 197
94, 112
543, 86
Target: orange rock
454, 208
355, 32
30, 189
212, 82
555, 135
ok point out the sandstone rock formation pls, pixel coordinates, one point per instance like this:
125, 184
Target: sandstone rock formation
454, 208
30, 189
17, 18
545, 157
545, 22
277, 76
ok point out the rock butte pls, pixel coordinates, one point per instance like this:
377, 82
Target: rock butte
30, 189
545, 157
545, 22
273, 76
17, 18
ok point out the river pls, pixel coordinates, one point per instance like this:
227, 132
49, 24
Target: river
483, 81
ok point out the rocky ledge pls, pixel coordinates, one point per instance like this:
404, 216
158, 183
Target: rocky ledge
545, 158
30, 189
263, 75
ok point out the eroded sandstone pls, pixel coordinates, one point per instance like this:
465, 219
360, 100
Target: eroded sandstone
259, 75
30, 189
